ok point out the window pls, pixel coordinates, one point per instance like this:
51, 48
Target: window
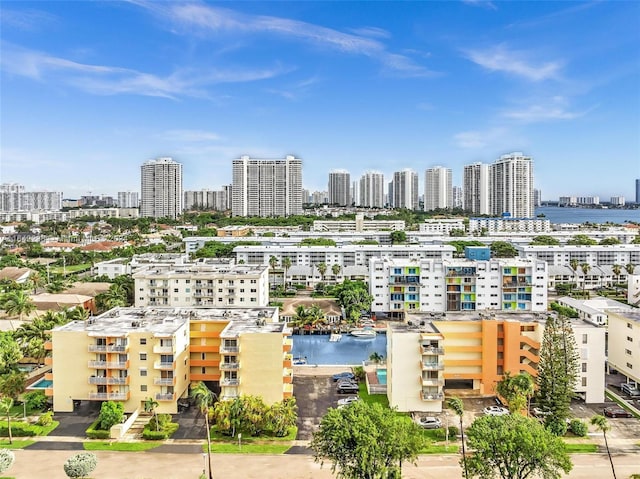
627, 351
143, 372
585, 338
630, 366
584, 382
187, 281
143, 356
143, 341
176, 290
584, 367
629, 325
143, 387
630, 339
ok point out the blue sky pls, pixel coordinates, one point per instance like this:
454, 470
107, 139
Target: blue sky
90, 90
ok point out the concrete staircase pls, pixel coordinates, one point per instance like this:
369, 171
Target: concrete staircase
135, 431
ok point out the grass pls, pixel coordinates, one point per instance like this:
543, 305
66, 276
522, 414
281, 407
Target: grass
45, 430
247, 439
575, 448
119, 446
17, 444
440, 449
75, 268
233, 448
373, 398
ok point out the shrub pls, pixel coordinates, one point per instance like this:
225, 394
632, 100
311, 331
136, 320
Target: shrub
359, 373
94, 431
556, 427
35, 400
45, 419
80, 465
578, 427
6, 459
163, 420
18, 429
167, 429
111, 413
453, 432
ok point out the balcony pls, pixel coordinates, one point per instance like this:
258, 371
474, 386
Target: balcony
229, 349
432, 396
432, 381
109, 396
164, 381
110, 348
163, 349
165, 396
229, 366
431, 351
164, 365
432, 366
230, 382
109, 380
405, 280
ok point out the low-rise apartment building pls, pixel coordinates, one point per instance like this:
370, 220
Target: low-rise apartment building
131, 354
505, 225
624, 342
401, 286
442, 226
216, 284
595, 255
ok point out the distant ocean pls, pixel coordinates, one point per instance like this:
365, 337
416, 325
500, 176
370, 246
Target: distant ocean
590, 215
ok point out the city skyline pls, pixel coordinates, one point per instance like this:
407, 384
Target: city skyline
378, 87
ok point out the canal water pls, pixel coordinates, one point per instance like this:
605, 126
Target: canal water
348, 351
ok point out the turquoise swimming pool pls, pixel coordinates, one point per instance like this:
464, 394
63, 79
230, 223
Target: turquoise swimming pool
41, 384
382, 376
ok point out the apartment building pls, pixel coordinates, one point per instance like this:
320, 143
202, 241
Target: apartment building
476, 189
371, 191
128, 199
131, 354
208, 283
621, 254
508, 224
442, 226
358, 225
339, 188
266, 187
161, 186
430, 356
511, 186
403, 190
14, 198
218, 200
624, 342
438, 188
401, 286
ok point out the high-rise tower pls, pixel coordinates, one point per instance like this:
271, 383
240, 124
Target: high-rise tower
512, 186
340, 188
161, 184
438, 188
371, 190
403, 190
476, 189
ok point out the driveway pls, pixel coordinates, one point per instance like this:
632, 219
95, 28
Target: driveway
76, 423
192, 425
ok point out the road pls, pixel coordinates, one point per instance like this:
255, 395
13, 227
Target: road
149, 465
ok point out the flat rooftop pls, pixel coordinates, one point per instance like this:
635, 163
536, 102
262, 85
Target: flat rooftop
163, 271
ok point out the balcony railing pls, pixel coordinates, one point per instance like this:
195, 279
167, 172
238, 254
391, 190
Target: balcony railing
164, 365
109, 396
432, 396
165, 396
228, 366
107, 380
432, 381
108, 348
430, 366
229, 349
164, 349
432, 350
165, 381
230, 382
109, 364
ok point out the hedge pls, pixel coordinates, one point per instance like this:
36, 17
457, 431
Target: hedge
18, 429
164, 433
94, 433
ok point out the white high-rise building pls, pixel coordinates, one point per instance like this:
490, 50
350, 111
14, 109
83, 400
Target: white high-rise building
128, 199
438, 188
512, 186
403, 190
13, 197
263, 187
458, 197
161, 188
340, 188
372, 190
207, 200
476, 189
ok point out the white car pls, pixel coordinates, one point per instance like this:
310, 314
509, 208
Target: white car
429, 422
496, 411
348, 400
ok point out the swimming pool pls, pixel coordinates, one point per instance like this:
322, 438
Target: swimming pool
42, 384
348, 351
382, 376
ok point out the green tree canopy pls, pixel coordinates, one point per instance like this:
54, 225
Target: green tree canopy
545, 240
514, 447
398, 237
111, 413
610, 241
366, 441
581, 240
317, 242
516, 390
10, 352
502, 249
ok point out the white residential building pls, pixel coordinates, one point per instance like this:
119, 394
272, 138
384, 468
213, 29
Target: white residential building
441, 226
218, 200
438, 188
511, 181
624, 342
359, 225
217, 284
263, 187
340, 188
161, 184
476, 189
401, 286
371, 190
14, 198
508, 224
621, 254
617, 200
128, 199
403, 190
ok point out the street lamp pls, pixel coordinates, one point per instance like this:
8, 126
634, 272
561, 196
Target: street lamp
204, 468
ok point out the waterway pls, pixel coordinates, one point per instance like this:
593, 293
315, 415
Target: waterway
349, 350
588, 215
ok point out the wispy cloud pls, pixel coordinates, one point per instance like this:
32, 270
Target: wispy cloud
373, 32
501, 59
200, 18
481, 3
26, 20
295, 90
554, 109
109, 80
497, 138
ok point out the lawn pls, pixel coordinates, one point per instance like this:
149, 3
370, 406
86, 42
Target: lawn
220, 437
440, 449
575, 448
373, 398
119, 446
75, 268
251, 448
17, 444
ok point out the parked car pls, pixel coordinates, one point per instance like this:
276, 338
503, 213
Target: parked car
348, 400
347, 388
429, 422
616, 411
537, 412
629, 389
495, 411
343, 375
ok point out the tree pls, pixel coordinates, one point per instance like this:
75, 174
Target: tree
545, 240
630, 268
286, 264
616, 269
457, 406
80, 465
516, 390
111, 413
335, 269
273, 262
585, 267
610, 241
322, 269
601, 423
574, 266
582, 240
366, 441
502, 249
150, 406
398, 237
32, 335
18, 303
7, 458
10, 352
515, 447
6, 403
205, 399
12, 384
557, 371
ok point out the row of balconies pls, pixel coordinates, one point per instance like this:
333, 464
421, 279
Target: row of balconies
108, 348
229, 366
109, 364
109, 380
113, 396
229, 349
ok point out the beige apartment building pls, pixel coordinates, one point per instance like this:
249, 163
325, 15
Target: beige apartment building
132, 354
466, 354
207, 283
624, 343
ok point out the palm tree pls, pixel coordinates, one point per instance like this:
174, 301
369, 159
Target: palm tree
150, 406
6, 403
616, 269
601, 423
273, 262
322, 269
286, 264
457, 406
205, 398
574, 266
585, 267
630, 268
18, 303
335, 269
